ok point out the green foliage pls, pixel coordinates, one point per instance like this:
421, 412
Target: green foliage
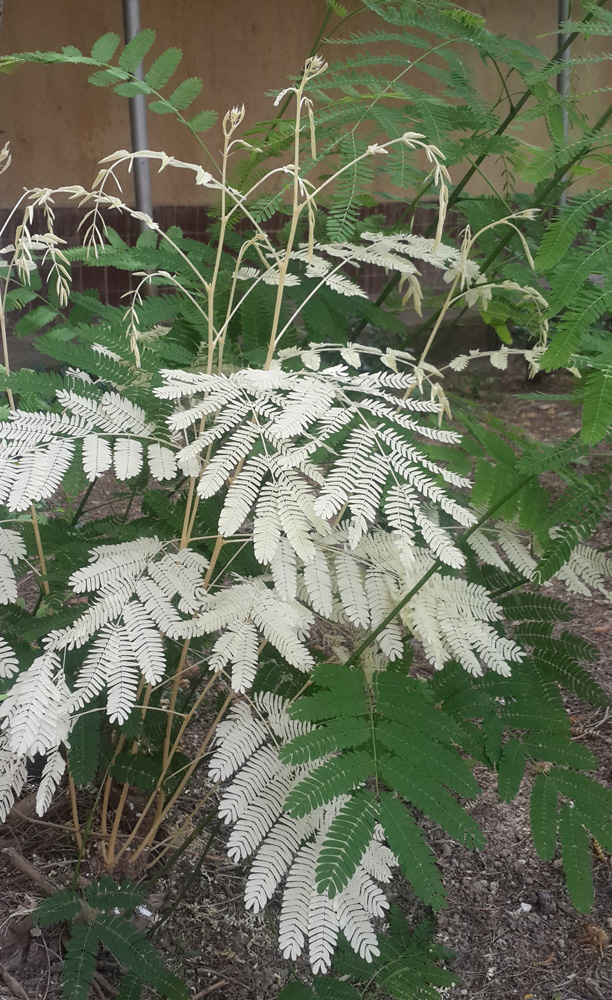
409, 964
511, 769
543, 817
346, 840
63, 905
96, 920
84, 756
414, 854
80, 961
576, 853
132, 949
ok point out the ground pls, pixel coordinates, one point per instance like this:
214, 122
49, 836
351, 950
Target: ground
510, 921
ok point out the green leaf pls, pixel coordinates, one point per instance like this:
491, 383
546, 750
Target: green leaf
130, 987
203, 120
106, 77
535, 607
326, 988
597, 405
136, 49
130, 947
561, 232
553, 456
17, 298
162, 107
408, 701
132, 88
408, 843
103, 49
345, 841
186, 93
324, 705
543, 817
163, 68
80, 961
425, 754
576, 321
576, 854
62, 906
571, 676
295, 991
104, 894
137, 770
338, 735
590, 796
432, 800
557, 749
34, 320
511, 770
336, 777
84, 751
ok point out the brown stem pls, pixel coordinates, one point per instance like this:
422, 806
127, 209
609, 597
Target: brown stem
39, 549
148, 839
154, 794
75, 812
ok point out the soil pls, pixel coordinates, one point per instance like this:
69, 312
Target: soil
509, 921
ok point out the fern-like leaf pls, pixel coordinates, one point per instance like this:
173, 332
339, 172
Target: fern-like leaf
328, 781
576, 854
59, 908
80, 961
344, 844
415, 856
543, 817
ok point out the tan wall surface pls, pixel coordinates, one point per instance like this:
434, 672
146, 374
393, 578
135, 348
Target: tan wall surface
59, 125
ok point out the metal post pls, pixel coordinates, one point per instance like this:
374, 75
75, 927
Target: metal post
563, 76
138, 120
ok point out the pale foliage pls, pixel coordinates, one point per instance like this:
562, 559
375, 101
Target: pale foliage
286, 849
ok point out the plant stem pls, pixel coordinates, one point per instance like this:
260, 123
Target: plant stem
147, 840
75, 812
155, 793
41, 554
82, 503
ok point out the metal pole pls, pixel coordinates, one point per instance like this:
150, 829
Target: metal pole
138, 120
563, 76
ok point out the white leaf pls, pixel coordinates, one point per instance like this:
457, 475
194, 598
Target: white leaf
267, 528
13, 776
242, 494
162, 462
352, 593
238, 646
8, 584
8, 661
145, 642
12, 545
127, 458
317, 580
40, 473
97, 456
284, 570
35, 709
51, 777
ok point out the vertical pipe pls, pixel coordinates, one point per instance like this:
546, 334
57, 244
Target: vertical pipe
138, 120
563, 76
